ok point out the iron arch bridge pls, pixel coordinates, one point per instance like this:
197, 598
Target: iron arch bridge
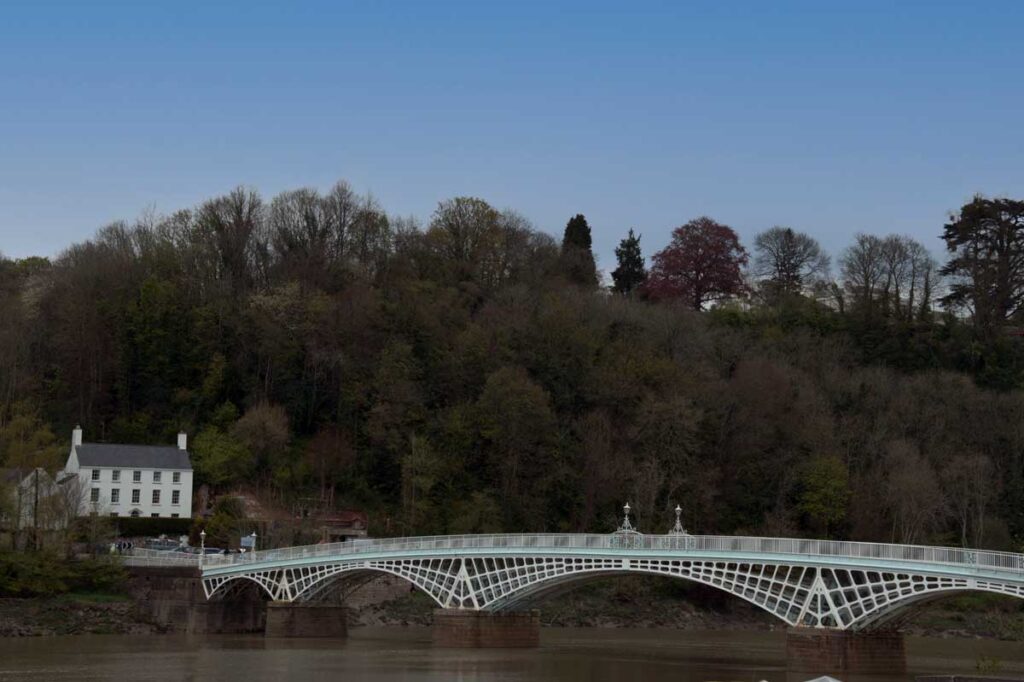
807, 583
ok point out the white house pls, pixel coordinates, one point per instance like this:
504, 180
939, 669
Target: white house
132, 480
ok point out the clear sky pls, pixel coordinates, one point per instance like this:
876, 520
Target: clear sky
828, 117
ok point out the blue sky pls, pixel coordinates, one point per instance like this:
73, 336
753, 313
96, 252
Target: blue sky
828, 117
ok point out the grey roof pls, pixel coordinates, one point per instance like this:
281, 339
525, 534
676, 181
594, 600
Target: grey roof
127, 456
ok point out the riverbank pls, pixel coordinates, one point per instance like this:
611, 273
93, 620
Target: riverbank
72, 615
639, 603
626, 603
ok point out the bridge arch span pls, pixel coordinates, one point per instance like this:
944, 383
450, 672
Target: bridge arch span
799, 594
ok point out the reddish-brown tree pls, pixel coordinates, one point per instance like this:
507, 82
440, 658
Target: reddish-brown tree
703, 263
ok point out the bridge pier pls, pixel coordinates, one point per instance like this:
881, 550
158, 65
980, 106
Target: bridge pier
463, 628
844, 651
287, 619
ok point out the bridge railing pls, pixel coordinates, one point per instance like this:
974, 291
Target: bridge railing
151, 557
954, 556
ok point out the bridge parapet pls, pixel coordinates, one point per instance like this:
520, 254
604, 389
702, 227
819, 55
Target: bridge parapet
946, 556
807, 583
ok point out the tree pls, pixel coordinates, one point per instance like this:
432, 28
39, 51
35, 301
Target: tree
10, 508
703, 264
912, 494
863, 270
228, 523
577, 257
330, 454
788, 262
970, 485
911, 278
27, 442
228, 227
826, 492
631, 272
891, 277
263, 430
220, 458
516, 425
421, 471
471, 241
987, 266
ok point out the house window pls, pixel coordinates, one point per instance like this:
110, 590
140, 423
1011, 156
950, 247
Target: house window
175, 497
136, 477
136, 496
156, 497
174, 516
156, 476
113, 513
176, 477
94, 495
135, 513
155, 515
115, 475
115, 496
95, 474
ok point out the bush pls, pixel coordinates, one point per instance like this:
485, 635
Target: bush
43, 574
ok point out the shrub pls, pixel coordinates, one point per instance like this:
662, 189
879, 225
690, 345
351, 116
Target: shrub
44, 574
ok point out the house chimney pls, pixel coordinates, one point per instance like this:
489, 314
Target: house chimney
182, 441
76, 436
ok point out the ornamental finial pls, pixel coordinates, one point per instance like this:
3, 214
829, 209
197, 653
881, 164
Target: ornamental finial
678, 528
626, 526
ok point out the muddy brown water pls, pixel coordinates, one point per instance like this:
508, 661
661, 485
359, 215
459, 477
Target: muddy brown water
406, 655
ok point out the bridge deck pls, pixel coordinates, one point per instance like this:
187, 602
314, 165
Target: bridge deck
816, 583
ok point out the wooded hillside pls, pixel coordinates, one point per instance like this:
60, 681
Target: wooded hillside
475, 374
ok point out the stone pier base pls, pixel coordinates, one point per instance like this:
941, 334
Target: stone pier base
173, 598
285, 619
480, 629
839, 651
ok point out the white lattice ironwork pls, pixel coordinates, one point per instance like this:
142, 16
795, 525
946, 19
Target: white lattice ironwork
801, 592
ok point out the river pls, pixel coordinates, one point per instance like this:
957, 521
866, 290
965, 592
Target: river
406, 655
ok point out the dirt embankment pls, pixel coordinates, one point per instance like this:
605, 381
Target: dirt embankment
615, 603
642, 603
68, 615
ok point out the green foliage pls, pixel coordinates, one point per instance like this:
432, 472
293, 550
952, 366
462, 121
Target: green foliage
630, 272
826, 492
448, 380
26, 441
517, 430
219, 458
228, 523
42, 574
577, 258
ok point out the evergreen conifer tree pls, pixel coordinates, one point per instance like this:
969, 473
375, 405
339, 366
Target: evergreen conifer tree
631, 272
577, 258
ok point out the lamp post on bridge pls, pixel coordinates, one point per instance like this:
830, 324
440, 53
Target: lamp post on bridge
202, 546
678, 528
626, 526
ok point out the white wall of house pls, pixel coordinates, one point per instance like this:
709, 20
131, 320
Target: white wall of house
149, 492
131, 490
